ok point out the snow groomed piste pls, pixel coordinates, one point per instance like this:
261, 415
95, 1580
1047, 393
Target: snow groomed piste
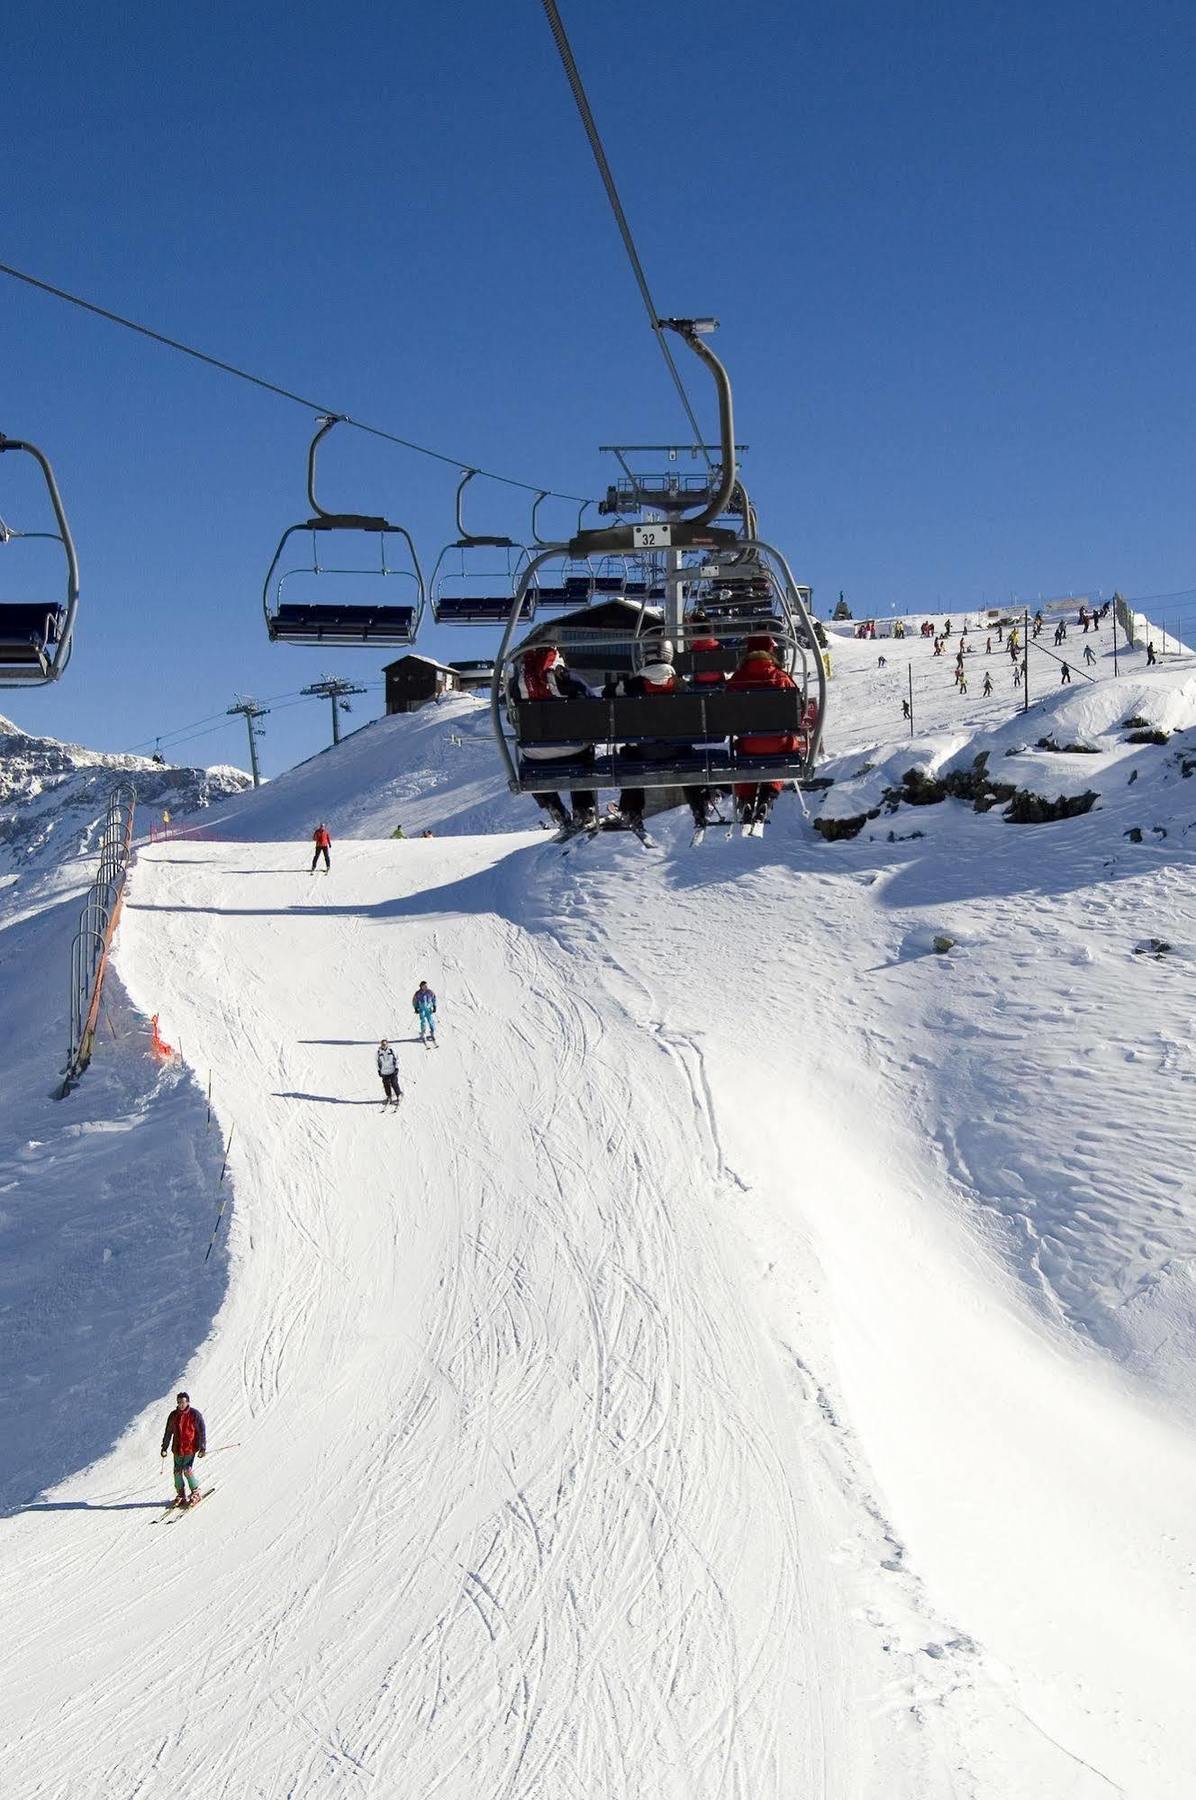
706, 1383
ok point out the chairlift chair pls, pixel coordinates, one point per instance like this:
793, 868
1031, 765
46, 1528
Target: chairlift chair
472, 596
349, 621
693, 736
37, 636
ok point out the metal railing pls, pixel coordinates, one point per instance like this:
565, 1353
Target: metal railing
97, 923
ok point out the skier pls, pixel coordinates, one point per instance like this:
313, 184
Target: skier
1089, 655
423, 1005
1060, 634
542, 675
187, 1437
905, 712
656, 677
388, 1068
323, 844
1151, 658
987, 689
1064, 674
760, 669
963, 683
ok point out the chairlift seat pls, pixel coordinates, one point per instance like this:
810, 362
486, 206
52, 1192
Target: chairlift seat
300, 623
713, 767
28, 631
481, 609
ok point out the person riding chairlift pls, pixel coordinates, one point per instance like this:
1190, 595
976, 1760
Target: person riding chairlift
656, 677
759, 668
541, 675
700, 798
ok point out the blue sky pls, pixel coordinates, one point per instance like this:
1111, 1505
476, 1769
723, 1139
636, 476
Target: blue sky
951, 249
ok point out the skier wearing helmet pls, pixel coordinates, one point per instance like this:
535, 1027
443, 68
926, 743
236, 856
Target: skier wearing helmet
656, 677
541, 675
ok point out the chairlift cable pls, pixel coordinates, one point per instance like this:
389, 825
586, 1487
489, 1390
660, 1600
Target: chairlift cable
573, 75
272, 387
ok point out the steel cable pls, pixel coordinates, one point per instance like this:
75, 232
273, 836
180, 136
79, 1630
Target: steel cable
272, 387
573, 75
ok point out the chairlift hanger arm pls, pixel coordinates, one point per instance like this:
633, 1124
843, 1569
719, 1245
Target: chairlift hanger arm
694, 332
536, 538
466, 538
321, 519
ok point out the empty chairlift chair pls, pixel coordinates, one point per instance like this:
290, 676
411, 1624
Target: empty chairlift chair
358, 614
467, 595
36, 635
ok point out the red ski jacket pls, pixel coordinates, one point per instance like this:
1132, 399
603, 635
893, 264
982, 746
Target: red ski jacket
321, 838
758, 670
185, 1432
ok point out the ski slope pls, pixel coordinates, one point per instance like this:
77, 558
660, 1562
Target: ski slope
756, 1360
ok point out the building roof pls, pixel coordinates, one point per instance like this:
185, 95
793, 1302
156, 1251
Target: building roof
412, 656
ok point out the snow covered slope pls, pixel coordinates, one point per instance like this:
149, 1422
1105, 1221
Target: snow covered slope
98, 1220
755, 1361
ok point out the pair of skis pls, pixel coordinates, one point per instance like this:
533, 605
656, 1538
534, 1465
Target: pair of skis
571, 835
175, 1511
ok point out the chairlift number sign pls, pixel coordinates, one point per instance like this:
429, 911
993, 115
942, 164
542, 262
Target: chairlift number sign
651, 537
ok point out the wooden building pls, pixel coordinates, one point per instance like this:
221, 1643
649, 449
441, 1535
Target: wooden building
411, 681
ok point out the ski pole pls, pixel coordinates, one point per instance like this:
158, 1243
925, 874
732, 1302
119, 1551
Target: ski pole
217, 1447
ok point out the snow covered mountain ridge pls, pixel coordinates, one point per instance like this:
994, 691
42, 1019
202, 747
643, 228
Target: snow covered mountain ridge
53, 794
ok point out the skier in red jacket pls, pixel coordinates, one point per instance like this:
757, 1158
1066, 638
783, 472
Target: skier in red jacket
760, 669
187, 1437
323, 844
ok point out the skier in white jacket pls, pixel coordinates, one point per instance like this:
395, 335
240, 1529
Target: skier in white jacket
388, 1068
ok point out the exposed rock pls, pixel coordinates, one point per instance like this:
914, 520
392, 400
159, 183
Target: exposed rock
1156, 947
1032, 809
1048, 743
833, 830
1149, 735
941, 944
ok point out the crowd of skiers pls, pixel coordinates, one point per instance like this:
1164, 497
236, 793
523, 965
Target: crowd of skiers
541, 674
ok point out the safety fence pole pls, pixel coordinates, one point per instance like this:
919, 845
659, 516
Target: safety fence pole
93, 937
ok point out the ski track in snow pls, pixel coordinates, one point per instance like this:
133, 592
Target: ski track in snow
501, 1411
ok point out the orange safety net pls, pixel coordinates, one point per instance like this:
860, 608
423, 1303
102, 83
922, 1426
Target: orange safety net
157, 1045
